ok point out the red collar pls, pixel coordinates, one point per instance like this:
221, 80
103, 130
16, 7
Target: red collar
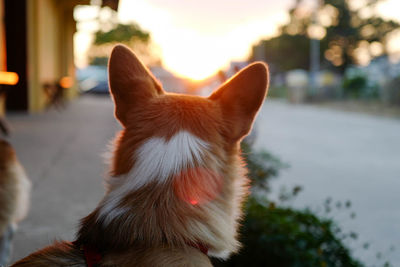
93, 256
200, 247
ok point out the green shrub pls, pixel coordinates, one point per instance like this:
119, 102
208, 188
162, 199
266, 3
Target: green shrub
262, 167
357, 85
277, 92
354, 86
284, 236
276, 236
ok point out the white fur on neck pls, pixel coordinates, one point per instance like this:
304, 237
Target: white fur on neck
156, 161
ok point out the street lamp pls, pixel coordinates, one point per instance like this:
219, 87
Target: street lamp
316, 33
8, 78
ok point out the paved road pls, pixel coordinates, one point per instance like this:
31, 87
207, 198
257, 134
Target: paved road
346, 156
342, 155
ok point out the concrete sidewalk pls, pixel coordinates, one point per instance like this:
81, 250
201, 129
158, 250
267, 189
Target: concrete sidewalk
62, 154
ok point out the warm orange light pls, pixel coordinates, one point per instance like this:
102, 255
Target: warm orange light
197, 186
9, 78
66, 82
194, 202
195, 72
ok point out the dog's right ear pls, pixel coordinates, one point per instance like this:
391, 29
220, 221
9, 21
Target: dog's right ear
241, 97
131, 83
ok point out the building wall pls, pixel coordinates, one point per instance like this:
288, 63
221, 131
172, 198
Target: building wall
16, 46
67, 46
50, 50
46, 42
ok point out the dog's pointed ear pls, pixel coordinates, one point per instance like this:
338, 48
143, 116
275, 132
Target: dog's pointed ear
241, 97
131, 83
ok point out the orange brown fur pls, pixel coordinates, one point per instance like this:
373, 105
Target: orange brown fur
14, 197
14, 188
59, 254
156, 223
8, 186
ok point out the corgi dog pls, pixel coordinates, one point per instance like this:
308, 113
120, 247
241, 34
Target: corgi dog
177, 183
14, 198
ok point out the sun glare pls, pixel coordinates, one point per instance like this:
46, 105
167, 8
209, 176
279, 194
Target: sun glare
198, 55
195, 51
191, 65
197, 48
196, 72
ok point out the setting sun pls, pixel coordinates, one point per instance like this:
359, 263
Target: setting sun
197, 46
196, 40
196, 67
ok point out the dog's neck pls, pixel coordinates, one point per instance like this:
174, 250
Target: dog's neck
157, 161
171, 197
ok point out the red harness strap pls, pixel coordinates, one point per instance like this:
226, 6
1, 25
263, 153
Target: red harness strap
93, 257
200, 247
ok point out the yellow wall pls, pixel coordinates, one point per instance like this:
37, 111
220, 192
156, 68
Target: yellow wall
51, 28
67, 46
43, 49
35, 92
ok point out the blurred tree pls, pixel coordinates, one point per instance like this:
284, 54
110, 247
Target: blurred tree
122, 33
286, 52
349, 34
131, 35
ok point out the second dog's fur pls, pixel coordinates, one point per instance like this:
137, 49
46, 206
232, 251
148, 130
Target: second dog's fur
14, 197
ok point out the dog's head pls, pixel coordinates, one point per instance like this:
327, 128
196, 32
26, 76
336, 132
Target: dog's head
177, 155
147, 112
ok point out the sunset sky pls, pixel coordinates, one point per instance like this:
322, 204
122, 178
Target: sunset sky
197, 38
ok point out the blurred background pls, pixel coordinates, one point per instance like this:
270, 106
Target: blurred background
328, 133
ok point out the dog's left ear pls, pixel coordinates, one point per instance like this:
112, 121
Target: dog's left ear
131, 83
241, 97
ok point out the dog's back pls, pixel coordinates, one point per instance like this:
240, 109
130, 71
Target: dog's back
177, 182
66, 254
